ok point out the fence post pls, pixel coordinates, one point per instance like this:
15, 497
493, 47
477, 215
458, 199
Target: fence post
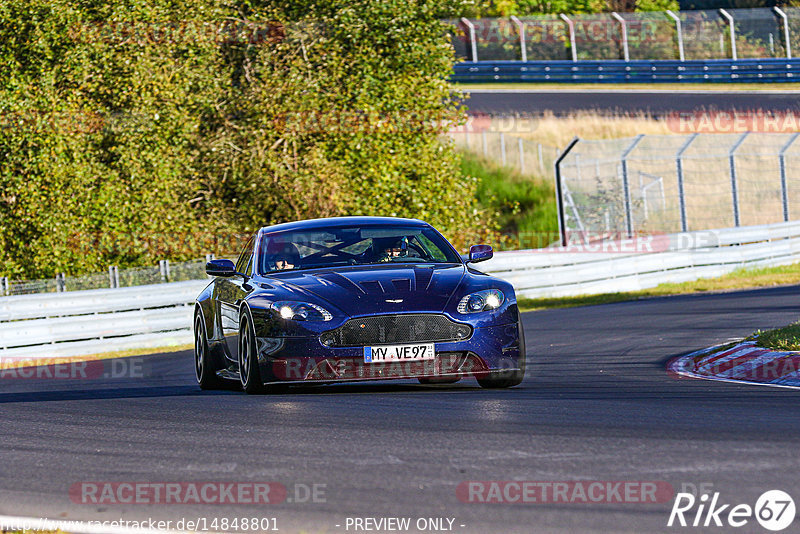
681, 193
541, 158
626, 189
163, 267
521, 155
624, 28
571, 26
734, 189
786, 40
61, 283
503, 148
729, 18
679, 30
521, 26
562, 223
4, 285
784, 188
113, 276
473, 44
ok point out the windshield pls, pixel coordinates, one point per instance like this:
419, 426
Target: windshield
356, 245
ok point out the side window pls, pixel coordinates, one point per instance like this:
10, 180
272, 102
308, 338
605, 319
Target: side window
245, 262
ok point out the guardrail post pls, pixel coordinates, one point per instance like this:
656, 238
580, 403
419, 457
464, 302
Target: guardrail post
784, 188
729, 18
562, 223
679, 30
786, 39
521, 27
626, 189
61, 283
503, 148
521, 155
734, 189
4, 285
113, 276
681, 193
472, 40
163, 267
571, 27
624, 28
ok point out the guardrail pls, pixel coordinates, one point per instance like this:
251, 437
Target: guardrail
49, 325
87, 322
571, 270
620, 71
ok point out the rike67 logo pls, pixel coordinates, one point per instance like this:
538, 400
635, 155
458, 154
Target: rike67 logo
774, 510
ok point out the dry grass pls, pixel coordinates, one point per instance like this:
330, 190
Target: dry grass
558, 131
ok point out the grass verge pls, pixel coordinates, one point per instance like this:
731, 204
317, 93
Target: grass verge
739, 279
526, 204
783, 339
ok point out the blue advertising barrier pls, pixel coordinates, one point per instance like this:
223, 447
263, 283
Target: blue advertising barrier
637, 71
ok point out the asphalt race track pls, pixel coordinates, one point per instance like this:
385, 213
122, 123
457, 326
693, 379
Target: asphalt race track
653, 102
597, 405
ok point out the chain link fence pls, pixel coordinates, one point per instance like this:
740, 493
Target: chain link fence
685, 35
527, 157
164, 272
678, 183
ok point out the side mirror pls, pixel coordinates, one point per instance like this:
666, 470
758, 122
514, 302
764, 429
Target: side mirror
224, 268
480, 253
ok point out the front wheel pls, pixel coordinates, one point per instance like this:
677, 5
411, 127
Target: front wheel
249, 372
204, 369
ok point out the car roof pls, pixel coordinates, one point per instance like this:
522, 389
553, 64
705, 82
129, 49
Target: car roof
334, 222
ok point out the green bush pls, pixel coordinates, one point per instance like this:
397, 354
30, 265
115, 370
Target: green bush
130, 137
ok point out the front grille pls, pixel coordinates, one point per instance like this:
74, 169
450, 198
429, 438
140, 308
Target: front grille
383, 329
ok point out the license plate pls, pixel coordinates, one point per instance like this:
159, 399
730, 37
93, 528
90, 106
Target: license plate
399, 353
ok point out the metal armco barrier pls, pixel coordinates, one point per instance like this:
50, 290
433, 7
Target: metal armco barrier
620, 71
576, 270
103, 320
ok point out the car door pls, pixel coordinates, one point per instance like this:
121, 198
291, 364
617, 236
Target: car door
230, 293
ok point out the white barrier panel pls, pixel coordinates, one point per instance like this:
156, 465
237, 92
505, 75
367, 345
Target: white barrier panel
103, 320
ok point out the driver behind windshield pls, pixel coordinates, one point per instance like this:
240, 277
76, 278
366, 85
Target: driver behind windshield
393, 248
282, 256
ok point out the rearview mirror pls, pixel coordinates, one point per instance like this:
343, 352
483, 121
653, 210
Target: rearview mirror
220, 268
480, 253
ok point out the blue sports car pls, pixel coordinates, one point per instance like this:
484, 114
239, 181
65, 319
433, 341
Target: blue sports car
355, 298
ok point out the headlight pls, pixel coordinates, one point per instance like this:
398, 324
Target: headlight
488, 299
301, 311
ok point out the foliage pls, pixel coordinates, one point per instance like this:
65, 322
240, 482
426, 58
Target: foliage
130, 137
525, 206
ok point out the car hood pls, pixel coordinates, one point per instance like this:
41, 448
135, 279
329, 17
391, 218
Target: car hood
366, 290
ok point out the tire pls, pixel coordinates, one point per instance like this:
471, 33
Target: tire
249, 372
204, 369
506, 379
433, 380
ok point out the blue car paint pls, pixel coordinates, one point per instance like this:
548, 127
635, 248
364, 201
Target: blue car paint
354, 292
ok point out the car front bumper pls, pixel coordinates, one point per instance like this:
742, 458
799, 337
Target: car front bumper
307, 360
